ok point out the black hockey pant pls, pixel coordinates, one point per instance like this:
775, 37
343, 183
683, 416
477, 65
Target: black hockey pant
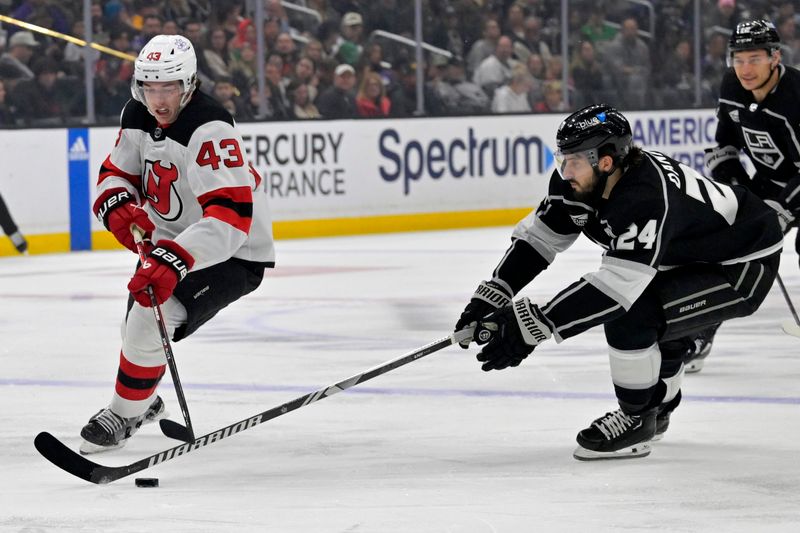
676, 306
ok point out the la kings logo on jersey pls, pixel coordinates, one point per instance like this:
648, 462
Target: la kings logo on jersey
159, 188
762, 148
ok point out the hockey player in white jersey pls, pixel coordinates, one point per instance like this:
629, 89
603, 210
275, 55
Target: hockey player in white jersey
682, 252
177, 172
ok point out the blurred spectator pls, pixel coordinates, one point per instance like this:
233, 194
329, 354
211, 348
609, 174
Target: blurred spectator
170, 27
349, 48
302, 103
484, 47
14, 63
245, 35
314, 51
553, 101
228, 16
629, 60
243, 66
6, 118
536, 68
790, 44
39, 101
43, 13
225, 94
273, 71
514, 23
305, 72
338, 101
674, 81
151, 26
496, 69
194, 30
373, 60
285, 47
390, 15
596, 29
725, 16
533, 42
371, 100
588, 77
513, 98
403, 93
458, 95
216, 54
447, 33
73, 53
714, 66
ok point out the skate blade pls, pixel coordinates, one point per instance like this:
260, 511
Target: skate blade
637, 450
88, 448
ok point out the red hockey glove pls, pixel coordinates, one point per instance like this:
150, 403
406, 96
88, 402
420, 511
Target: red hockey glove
166, 265
117, 210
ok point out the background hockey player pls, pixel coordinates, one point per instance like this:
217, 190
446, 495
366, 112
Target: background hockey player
758, 113
681, 253
178, 172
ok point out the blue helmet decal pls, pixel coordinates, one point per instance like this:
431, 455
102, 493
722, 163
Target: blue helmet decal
601, 116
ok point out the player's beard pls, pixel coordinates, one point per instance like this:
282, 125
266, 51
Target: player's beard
589, 194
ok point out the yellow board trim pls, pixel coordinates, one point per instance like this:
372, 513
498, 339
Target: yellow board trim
303, 229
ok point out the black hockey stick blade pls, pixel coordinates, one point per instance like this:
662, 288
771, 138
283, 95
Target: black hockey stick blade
57, 453
63, 457
176, 431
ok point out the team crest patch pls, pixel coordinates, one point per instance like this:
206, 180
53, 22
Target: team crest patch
762, 148
734, 115
580, 220
182, 44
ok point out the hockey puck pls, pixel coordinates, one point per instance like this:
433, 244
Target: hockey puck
147, 482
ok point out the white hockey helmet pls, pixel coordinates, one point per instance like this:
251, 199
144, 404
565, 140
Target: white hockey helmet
166, 58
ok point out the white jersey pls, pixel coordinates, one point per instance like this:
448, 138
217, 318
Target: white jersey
194, 182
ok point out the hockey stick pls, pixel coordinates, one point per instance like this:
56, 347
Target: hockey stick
789, 327
60, 455
175, 431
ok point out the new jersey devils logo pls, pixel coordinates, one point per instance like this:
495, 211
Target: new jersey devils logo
159, 188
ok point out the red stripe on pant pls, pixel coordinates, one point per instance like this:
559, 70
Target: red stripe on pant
136, 382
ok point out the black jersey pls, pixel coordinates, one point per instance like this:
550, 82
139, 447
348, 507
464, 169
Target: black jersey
661, 214
768, 132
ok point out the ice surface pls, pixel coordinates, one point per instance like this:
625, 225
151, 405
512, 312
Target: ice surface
434, 446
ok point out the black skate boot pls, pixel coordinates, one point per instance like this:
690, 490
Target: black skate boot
617, 436
106, 430
662, 416
695, 359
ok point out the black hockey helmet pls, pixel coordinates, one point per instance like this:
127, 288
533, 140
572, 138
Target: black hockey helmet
754, 35
597, 130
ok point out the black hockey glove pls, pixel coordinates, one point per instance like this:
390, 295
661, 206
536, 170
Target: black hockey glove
510, 334
785, 217
723, 164
489, 296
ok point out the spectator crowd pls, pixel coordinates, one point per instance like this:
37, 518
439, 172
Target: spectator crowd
324, 61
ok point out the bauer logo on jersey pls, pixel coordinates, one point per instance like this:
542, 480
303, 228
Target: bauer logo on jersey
159, 188
762, 148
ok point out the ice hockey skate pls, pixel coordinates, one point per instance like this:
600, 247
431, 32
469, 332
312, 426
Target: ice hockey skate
695, 360
617, 435
662, 416
107, 431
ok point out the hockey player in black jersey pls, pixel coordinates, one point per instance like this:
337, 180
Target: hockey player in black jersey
758, 114
178, 172
681, 253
